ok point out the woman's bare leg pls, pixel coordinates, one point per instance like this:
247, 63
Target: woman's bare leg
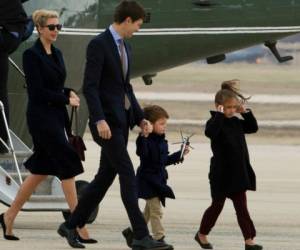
69, 189
24, 193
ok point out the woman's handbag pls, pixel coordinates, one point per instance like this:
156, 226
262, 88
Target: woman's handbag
75, 139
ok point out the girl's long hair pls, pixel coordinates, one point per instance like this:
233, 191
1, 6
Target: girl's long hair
228, 91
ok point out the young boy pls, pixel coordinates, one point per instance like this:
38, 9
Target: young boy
152, 148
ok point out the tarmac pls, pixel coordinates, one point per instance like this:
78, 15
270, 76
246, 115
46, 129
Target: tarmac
274, 207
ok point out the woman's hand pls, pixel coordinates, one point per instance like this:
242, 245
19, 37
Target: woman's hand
74, 102
74, 99
73, 94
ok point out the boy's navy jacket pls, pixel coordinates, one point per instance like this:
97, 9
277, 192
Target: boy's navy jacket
152, 174
230, 168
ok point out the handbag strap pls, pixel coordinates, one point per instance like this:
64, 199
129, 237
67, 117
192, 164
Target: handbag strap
74, 115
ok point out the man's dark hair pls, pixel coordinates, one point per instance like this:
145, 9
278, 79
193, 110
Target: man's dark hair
130, 9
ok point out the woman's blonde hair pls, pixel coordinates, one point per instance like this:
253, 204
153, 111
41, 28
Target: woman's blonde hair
229, 90
40, 17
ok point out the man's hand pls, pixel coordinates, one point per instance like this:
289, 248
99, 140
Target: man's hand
104, 130
143, 123
146, 128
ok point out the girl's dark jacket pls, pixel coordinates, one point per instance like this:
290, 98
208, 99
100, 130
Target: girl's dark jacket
230, 168
152, 174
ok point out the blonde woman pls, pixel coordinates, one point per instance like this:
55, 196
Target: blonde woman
46, 112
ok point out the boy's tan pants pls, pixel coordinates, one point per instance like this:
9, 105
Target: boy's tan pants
153, 213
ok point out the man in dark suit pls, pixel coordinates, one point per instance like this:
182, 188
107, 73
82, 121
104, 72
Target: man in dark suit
12, 27
113, 110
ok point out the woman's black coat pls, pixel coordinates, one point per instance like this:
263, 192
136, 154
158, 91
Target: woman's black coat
47, 115
152, 174
230, 168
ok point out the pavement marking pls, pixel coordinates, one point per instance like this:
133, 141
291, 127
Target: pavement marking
261, 123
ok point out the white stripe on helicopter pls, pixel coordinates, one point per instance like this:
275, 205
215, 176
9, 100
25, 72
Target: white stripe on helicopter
191, 31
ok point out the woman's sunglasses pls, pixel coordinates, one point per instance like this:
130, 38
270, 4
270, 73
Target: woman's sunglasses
52, 27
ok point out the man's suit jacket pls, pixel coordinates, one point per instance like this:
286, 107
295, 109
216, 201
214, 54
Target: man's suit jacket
12, 15
104, 85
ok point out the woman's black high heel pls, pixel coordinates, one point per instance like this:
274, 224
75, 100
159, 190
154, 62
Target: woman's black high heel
87, 241
7, 237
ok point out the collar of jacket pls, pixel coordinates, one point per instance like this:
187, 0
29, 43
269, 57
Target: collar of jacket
59, 66
157, 136
213, 113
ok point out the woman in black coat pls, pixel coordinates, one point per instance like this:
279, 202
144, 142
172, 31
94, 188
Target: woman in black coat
46, 116
231, 174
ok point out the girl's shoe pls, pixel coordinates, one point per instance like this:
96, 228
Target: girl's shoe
204, 245
7, 237
253, 247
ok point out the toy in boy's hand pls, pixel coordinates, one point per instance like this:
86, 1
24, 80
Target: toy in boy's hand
185, 144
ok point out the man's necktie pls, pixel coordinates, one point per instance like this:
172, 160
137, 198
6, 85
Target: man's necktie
124, 69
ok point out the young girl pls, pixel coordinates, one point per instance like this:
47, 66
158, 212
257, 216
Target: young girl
152, 148
231, 174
